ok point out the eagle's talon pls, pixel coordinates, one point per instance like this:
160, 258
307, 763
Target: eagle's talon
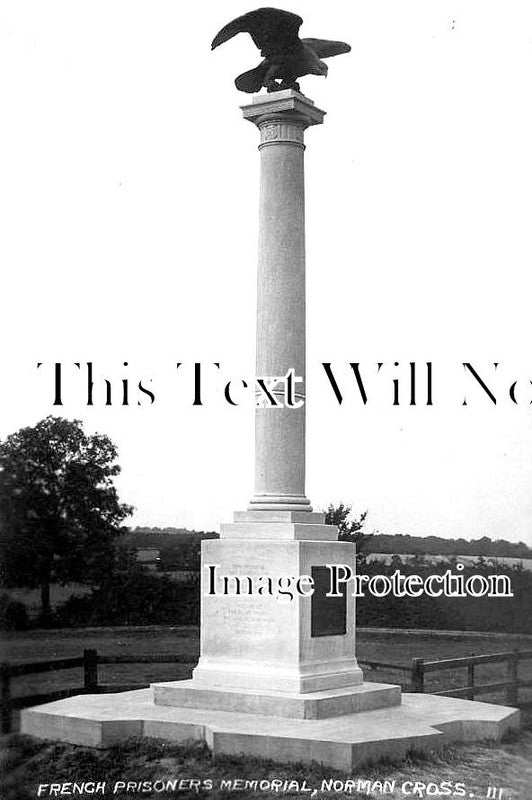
290, 85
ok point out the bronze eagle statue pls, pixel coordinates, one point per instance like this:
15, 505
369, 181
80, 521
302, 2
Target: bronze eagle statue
286, 56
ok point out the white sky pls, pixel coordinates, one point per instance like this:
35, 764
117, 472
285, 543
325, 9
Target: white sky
128, 202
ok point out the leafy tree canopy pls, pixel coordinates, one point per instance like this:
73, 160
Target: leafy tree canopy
349, 530
59, 508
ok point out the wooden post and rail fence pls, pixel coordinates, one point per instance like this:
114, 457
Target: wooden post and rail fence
417, 671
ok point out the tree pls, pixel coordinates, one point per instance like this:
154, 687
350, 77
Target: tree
59, 510
349, 530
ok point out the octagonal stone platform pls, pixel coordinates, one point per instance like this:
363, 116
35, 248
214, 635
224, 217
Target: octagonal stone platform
422, 723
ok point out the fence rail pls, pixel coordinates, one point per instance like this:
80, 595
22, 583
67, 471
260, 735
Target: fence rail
383, 665
415, 673
511, 685
89, 662
163, 658
44, 666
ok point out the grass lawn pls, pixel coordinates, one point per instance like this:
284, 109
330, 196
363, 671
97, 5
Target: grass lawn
401, 648
42, 645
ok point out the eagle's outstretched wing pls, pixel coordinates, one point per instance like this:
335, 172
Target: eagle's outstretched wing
325, 49
251, 81
271, 29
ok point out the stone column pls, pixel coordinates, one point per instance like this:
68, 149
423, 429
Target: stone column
255, 642
281, 118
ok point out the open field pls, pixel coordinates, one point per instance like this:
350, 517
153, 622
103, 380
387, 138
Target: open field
398, 647
42, 645
471, 769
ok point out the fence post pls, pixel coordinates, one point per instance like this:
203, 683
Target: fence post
512, 675
5, 694
471, 680
417, 675
90, 670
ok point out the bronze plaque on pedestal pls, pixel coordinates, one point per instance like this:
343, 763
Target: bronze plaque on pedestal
328, 615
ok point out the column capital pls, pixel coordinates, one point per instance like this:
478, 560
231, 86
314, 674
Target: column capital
282, 115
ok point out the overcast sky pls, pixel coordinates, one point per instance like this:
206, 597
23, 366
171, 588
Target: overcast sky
129, 186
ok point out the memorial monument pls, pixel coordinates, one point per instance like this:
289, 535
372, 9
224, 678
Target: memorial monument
277, 678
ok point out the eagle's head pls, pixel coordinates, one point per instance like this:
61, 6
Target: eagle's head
320, 68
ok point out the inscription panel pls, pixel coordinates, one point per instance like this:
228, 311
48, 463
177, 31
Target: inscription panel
328, 615
248, 619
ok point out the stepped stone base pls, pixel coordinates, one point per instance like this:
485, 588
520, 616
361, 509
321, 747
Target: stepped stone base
311, 705
422, 723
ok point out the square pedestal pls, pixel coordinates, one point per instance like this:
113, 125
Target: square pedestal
257, 631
